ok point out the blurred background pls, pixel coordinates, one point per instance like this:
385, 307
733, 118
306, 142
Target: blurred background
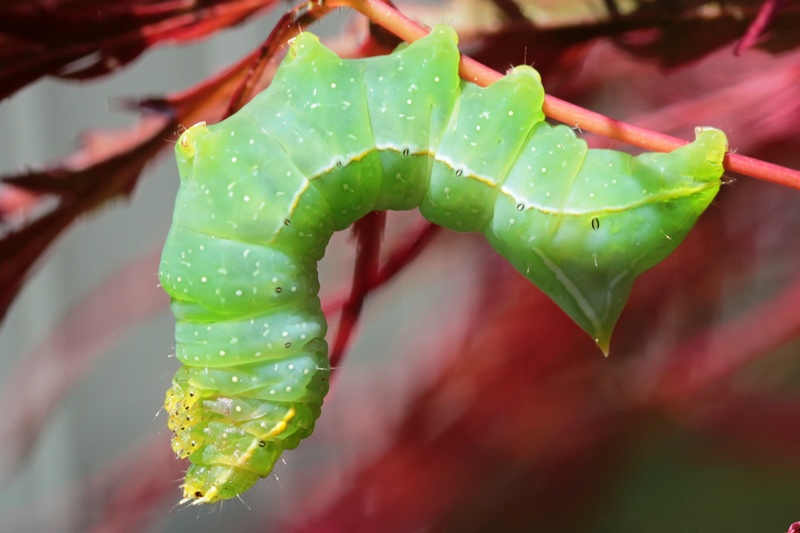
466, 401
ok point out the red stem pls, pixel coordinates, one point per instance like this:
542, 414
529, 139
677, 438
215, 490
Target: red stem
408, 30
766, 14
368, 231
413, 244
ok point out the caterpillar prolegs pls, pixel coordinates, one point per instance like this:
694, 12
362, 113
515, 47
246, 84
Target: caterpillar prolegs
331, 140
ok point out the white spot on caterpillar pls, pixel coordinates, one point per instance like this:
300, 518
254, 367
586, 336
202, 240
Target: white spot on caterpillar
290, 366
314, 106
251, 141
238, 292
272, 391
222, 353
409, 102
222, 271
436, 79
233, 159
288, 388
246, 198
235, 379
477, 128
204, 279
238, 408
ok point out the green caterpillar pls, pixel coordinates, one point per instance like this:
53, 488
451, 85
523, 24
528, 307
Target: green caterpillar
331, 140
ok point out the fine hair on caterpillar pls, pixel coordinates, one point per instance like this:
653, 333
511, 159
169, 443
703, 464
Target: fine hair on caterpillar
328, 142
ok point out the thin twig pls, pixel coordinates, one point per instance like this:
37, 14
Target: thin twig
408, 30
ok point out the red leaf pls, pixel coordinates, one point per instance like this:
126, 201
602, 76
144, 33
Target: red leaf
81, 40
106, 167
85, 333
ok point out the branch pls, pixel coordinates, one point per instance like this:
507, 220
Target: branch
394, 21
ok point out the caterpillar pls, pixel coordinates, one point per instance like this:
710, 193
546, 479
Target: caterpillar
330, 140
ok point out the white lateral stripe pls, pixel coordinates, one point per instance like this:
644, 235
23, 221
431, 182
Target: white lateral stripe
572, 289
685, 191
468, 171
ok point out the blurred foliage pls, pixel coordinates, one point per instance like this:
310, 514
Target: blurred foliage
693, 422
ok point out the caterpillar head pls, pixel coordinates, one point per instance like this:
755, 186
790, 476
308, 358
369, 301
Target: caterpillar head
186, 147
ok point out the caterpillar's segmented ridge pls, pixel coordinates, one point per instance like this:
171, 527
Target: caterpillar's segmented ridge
330, 140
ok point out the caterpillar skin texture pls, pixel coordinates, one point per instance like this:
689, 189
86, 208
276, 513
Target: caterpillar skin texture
330, 140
